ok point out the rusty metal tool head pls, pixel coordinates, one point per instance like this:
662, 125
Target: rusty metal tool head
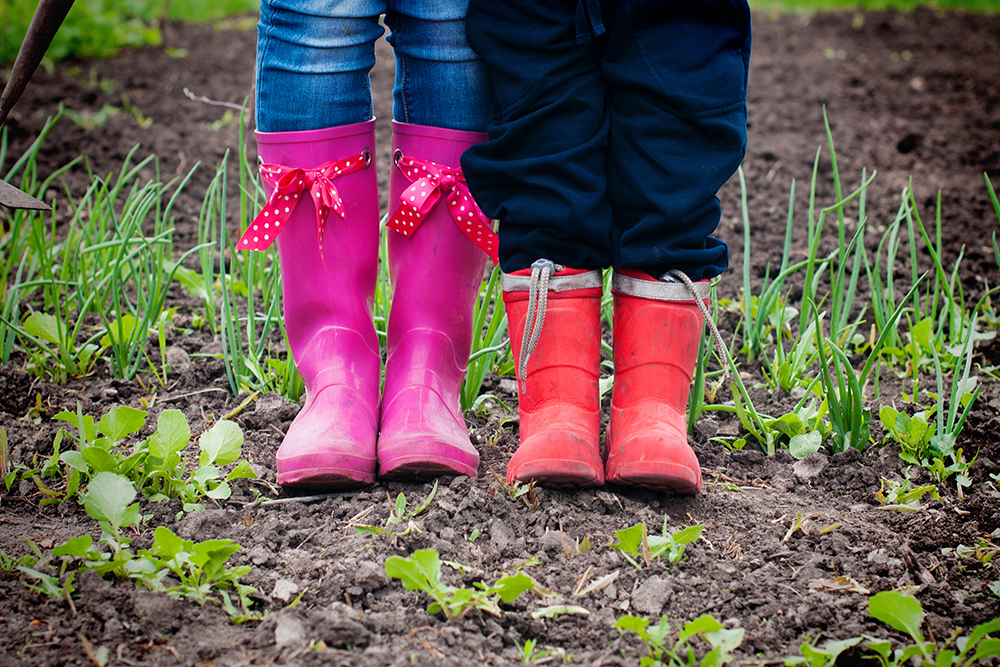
48, 17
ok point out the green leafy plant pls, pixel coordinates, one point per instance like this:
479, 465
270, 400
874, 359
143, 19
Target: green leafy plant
527, 653
905, 614
903, 496
635, 543
200, 571
155, 463
488, 342
662, 651
825, 656
421, 571
398, 513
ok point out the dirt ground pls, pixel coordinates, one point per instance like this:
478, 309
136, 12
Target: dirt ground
909, 95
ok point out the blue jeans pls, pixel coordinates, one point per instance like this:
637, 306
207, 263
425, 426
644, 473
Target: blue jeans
616, 122
313, 59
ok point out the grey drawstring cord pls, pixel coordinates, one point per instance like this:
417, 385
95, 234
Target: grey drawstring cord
538, 298
674, 275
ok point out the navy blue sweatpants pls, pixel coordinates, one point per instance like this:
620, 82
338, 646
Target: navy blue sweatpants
616, 123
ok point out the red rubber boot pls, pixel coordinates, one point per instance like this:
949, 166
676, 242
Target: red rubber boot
558, 395
656, 334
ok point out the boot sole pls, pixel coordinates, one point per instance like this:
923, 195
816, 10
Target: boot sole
557, 473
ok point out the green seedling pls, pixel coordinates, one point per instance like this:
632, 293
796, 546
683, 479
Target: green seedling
155, 464
635, 543
825, 656
198, 571
527, 653
804, 428
664, 652
488, 343
53, 350
422, 572
984, 551
398, 513
902, 496
905, 614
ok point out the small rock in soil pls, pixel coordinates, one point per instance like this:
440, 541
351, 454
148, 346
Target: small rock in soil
652, 595
811, 466
284, 589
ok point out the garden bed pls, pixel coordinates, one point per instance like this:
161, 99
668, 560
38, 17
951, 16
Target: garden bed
789, 549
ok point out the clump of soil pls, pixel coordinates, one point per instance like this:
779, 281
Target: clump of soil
907, 95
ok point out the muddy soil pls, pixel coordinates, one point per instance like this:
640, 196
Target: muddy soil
907, 95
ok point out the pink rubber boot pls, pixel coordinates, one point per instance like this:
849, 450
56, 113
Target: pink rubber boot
328, 282
436, 274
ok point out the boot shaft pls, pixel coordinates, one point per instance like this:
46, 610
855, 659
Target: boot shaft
328, 293
437, 271
656, 338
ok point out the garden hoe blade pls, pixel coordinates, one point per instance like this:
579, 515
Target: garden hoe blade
48, 17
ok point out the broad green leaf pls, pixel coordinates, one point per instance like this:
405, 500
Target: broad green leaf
633, 623
75, 546
89, 429
48, 584
99, 460
880, 646
789, 425
108, 499
221, 492
887, 415
211, 555
132, 462
76, 461
205, 474
121, 421
898, 611
221, 444
986, 648
119, 332
191, 281
703, 623
922, 332
408, 572
429, 563
688, 535
167, 544
630, 539
511, 587
241, 471
172, 433
726, 640
984, 629
44, 326
801, 446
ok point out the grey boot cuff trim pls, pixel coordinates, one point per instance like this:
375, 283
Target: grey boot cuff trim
657, 290
557, 283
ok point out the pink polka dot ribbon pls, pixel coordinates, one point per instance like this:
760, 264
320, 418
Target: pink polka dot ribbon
429, 181
289, 185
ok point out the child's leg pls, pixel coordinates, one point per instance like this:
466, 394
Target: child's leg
440, 81
313, 107
676, 74
440, 103
543, 172
313, 60
543, 175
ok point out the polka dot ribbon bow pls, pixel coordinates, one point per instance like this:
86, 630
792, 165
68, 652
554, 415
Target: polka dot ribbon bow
289, 184
429, 181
